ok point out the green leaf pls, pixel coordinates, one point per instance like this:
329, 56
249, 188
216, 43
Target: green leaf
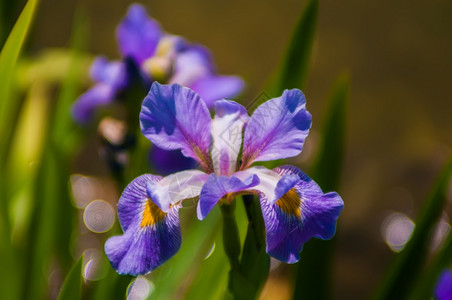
211, 279
295, 66
10, 273
8, 58
408, 265
313, 280
72, 286
51, 200
255, 262
197, 238
113, 286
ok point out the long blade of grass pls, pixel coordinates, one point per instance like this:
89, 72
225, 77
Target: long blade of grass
52, 203
9, 275
313, 280
72, 286
408, 265
8, 57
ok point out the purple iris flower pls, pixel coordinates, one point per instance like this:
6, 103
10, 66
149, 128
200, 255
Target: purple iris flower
158, 57
176, 118
443, 290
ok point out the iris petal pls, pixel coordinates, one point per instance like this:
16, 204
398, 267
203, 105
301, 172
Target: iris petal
176, 187
191, 64
215, 87
443, 289
175, 117
111, 77
226, 132
277, 129
301, 213
138, 35
99, 95
150, 236
218, 186
166, 162
194, 68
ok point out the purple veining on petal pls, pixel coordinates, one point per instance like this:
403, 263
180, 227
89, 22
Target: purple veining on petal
150, 236
300, 214
277, 129
175, 117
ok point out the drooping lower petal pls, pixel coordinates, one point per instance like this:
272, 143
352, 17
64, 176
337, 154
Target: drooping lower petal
138, 35
175, 117
217, 187
277, 129
150, 236
301, 213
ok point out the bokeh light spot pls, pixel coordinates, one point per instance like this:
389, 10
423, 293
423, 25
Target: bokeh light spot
396, 231
99, 216
139, 289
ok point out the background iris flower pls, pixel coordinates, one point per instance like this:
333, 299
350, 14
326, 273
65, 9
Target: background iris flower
155, 56
443, 290
176, 118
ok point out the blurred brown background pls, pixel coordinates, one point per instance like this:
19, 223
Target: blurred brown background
400, 60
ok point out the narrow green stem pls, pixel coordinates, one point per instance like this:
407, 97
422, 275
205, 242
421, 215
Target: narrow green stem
231, 238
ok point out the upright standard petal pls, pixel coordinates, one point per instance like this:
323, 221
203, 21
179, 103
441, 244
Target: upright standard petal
226, 132
443, 289
301, 212
216, 187
175, 117
174, 188
277, 129
150, 236
138, 35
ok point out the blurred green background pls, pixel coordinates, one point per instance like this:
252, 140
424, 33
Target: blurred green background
399, 133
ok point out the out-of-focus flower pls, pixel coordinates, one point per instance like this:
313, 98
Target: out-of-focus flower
156, 56
176, 118
443, 290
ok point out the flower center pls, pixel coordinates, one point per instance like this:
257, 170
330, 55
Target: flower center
151, 214
290, 202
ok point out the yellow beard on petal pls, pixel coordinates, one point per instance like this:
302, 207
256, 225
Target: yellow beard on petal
290, 202
151, 214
